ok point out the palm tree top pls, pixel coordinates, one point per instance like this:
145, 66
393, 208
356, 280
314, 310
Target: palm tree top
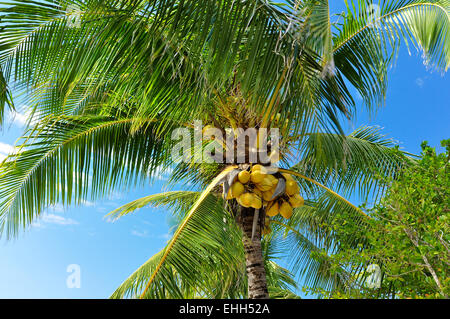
107, 81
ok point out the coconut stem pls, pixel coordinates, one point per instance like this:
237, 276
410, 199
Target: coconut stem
255, 222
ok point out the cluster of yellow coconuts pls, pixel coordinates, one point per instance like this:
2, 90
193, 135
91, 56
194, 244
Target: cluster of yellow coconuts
255, 188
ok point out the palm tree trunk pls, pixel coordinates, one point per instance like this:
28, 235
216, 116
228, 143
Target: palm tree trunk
256, 274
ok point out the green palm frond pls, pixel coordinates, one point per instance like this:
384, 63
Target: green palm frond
72, 158
114, 42
136, 52
105, 96
216, 281
355, 161
313, 184
213, 279
217, 278
367, 40
317, 28
306, 256
277, 276
196, 230
5, 97
315, 234
179, 201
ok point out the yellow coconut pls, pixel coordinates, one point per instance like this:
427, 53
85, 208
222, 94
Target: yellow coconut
246, 199
296, 201
291, 187
265, 185
257, 167
257, 177
260, 168
257, 192
267, 196
244, 177
237, 189
272, 210
273, 179
256, 202
286, 210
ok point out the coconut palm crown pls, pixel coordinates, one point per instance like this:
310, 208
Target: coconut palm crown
107, 82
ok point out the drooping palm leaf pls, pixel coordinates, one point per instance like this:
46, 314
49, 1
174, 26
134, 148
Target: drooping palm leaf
218, 279
308, 260
5, 96
182, 248
370, 34
352, 162
314, 232
71, 159
203, 243
108, 57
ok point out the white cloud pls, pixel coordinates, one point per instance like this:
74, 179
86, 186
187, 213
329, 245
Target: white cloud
87, 203
420, 82
137, 233
146, 222
162, 174
57, 208
52, 219
18, 119
23, 114
115, 196
5, 150
57, 219
37, 224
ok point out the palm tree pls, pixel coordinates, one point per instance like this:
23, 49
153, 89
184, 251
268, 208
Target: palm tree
107, 82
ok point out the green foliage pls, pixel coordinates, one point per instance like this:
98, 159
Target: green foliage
207, 259
367, 41
409, 234
104, 98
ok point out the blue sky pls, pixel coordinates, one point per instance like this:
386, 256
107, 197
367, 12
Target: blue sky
35, 264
